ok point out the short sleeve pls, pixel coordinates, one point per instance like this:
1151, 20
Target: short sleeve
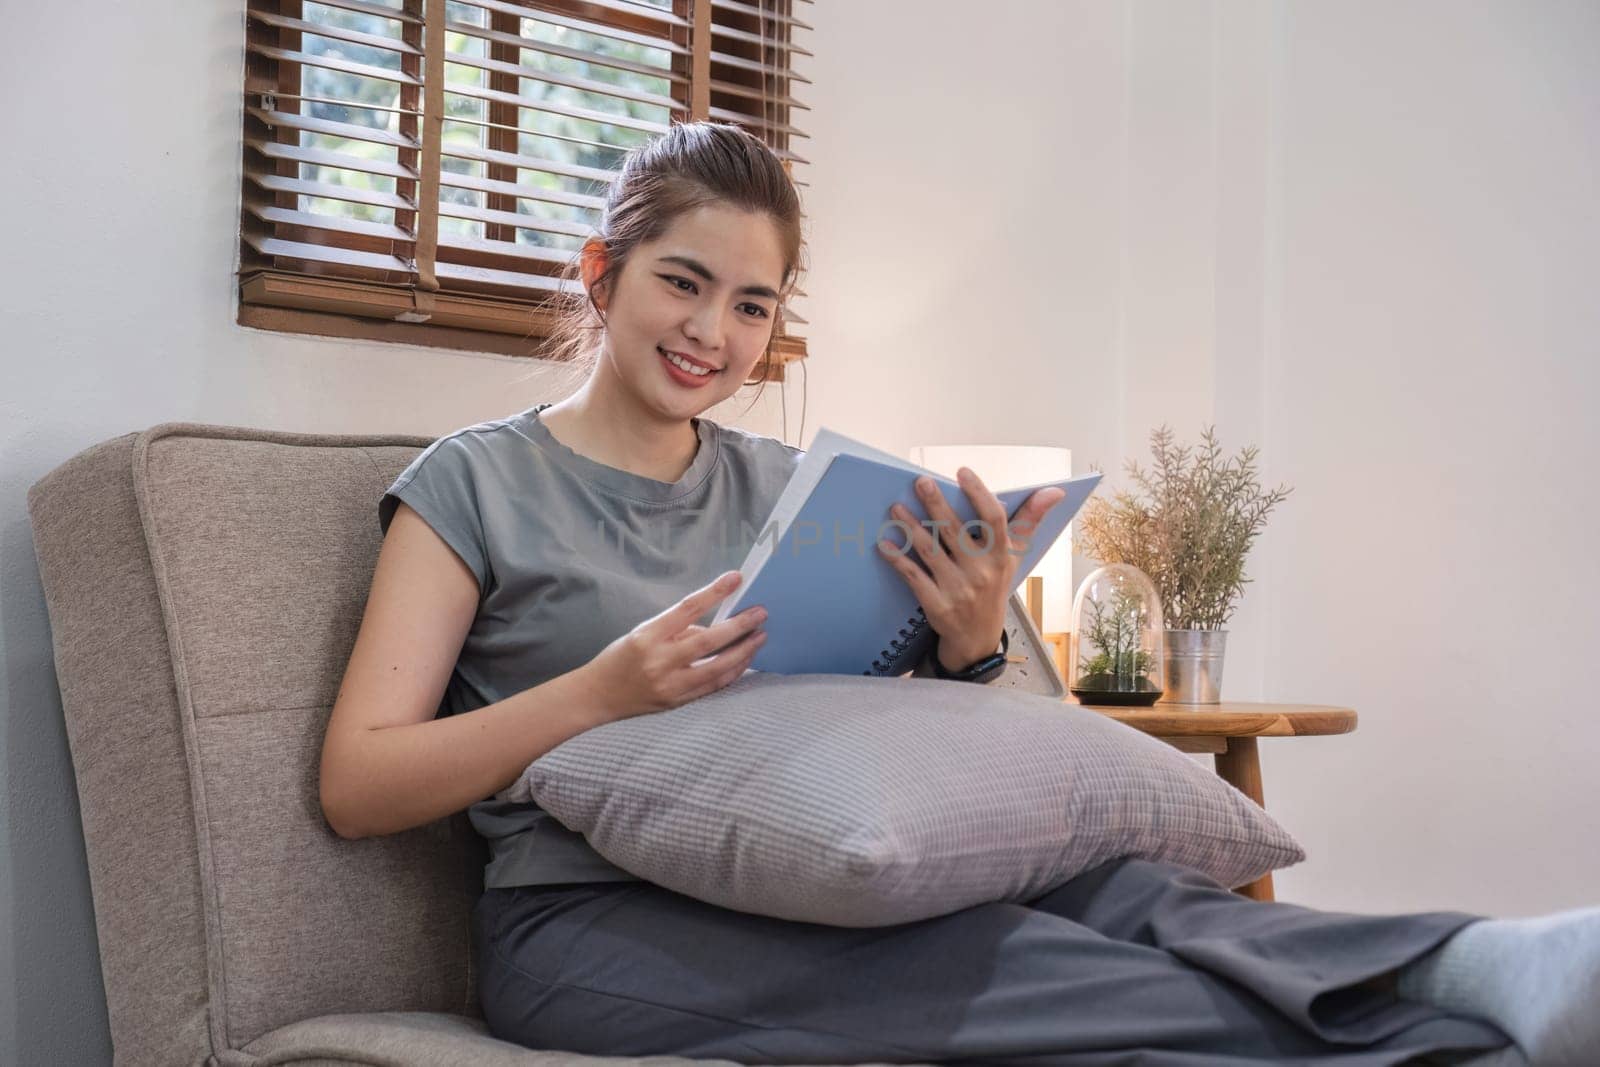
441, 487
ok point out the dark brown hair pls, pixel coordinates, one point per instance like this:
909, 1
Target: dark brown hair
692, 164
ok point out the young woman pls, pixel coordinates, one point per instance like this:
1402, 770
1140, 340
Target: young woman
552, 570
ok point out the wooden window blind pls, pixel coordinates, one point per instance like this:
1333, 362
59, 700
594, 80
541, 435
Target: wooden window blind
423, 170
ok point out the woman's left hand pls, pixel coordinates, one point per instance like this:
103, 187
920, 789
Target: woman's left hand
965, 598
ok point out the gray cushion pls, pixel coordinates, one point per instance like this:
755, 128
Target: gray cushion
860, 801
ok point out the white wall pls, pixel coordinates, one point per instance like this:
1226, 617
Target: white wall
1361, 236
1430, 387
1355, 234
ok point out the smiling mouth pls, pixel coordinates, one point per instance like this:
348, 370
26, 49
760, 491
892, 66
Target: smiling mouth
702, 366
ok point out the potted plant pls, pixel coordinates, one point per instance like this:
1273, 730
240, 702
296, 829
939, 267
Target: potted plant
1189, 531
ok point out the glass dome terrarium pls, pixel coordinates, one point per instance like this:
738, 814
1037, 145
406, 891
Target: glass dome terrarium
1116, 649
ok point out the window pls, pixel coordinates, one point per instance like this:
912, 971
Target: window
426, 180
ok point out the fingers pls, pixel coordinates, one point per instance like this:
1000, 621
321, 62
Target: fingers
924, 587
1039, 503
677, 618
947, 526
710, 639
727, 666
952, 537
987, 506
1032, 510
929, 548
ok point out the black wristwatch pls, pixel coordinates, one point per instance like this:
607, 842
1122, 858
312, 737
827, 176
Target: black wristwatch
986, 669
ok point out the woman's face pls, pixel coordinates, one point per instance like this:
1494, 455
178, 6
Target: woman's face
705, 290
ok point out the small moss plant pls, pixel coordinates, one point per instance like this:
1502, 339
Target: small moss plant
1115, 634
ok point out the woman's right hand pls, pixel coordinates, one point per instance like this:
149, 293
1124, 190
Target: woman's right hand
654, 667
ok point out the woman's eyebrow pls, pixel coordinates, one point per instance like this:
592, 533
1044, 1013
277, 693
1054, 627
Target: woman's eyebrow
694, 265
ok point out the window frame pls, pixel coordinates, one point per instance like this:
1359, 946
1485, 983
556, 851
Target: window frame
409, 304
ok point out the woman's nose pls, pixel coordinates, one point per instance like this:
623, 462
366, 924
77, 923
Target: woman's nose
705, 328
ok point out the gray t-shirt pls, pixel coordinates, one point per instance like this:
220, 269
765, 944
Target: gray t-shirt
569, 555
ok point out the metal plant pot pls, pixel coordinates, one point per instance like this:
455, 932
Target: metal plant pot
1194, 666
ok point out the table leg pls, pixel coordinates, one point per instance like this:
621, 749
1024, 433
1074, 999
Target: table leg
1240, 766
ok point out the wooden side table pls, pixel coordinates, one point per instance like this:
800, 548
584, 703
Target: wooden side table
1229, 730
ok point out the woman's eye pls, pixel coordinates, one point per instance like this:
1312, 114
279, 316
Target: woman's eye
673, 280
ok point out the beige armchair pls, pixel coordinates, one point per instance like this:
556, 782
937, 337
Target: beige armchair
204, 587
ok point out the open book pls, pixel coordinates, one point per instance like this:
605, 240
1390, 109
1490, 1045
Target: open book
834, 604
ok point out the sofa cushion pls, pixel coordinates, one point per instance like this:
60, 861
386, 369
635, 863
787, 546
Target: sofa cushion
205, 585
860, 801
410, 1039
420, 1039
263, 546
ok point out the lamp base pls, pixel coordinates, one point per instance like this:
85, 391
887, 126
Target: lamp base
1057, 640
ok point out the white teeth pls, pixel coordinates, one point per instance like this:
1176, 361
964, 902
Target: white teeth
678, 361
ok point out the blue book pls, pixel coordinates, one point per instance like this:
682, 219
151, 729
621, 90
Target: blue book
834, 604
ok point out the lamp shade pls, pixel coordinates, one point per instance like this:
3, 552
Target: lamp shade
1007, 467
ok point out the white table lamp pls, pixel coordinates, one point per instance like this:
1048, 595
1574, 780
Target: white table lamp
1007, 467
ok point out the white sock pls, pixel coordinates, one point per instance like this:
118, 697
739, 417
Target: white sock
1538, 979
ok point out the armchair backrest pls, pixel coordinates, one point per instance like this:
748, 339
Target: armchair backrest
204, 586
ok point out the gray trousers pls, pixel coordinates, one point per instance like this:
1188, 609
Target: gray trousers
1133, 962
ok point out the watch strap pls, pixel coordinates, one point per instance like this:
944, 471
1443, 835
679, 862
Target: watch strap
985, 669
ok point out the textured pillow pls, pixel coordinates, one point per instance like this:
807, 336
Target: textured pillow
865, 801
